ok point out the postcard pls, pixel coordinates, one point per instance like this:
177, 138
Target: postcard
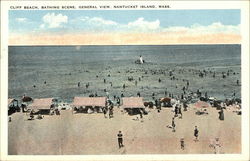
124, 80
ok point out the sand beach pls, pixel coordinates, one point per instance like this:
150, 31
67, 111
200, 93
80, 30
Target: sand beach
69, 134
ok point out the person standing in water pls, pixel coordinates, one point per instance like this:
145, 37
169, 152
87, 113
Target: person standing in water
141, 60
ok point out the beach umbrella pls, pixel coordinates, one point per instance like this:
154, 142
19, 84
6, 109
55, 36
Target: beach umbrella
165, 99
26, 99
201, 104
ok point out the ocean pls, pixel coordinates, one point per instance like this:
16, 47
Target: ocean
62, 67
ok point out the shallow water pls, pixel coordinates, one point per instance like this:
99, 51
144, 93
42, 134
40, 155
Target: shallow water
62, 67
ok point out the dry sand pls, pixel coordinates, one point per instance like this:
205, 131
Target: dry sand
93, 134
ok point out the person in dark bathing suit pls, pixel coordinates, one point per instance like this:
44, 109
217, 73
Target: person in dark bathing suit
120, 139
196, 132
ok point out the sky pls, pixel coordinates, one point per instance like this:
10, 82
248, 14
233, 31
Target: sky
123, 27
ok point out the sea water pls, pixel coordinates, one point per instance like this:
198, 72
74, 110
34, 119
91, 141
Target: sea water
62, 67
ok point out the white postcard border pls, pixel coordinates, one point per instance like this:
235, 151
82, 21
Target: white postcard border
243, 5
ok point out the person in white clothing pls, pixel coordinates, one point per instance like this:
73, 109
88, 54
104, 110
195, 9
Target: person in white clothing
217, 146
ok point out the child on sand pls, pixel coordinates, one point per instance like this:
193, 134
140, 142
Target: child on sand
179, 111
104, 112
217, 146
173, 125
120, 140
221, 115
182, 143
196, 131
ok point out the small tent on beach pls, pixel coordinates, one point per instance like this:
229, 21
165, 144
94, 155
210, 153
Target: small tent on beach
13, 106
201, 104
89, 104
42, 104
133, 105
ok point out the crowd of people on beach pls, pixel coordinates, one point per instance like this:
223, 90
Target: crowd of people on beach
178, 101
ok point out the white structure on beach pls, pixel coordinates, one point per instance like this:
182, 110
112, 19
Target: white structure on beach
141, 60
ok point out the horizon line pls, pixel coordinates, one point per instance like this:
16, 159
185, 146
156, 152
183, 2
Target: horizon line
122, 45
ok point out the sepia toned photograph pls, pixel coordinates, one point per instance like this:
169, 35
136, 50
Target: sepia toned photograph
124, 81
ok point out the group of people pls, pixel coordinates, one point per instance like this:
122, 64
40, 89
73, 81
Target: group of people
32, 115
108, 109
177, 111
215, 143
182, 142
196, 134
